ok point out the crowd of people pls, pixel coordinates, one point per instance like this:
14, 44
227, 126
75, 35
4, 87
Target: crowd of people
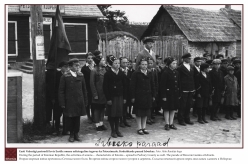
121, 88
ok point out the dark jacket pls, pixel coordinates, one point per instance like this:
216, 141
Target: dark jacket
170, 89
96, 85
86, 71
217, 81
127, 82
186, 78
142, 89
73, 95
203, 85
155, 79
114, 85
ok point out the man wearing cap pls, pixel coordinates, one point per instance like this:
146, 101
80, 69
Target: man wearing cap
86, 69
186, 73
217, 80
203, 91
197, 64
219, 56
73, 97
147, 52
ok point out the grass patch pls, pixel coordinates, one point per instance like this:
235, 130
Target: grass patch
31, 133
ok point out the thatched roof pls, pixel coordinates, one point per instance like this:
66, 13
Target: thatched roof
114, 34
89, 11
234, 15
200, 25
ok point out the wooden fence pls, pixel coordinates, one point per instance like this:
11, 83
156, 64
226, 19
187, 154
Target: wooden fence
167, 46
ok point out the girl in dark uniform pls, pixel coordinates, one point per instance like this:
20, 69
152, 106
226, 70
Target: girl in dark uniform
142, 91
169, 85
98, 97
114, 88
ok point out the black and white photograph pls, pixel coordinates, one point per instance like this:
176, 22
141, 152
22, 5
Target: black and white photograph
124, 76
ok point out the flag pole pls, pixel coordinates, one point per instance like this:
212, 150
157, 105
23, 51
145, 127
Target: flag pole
39, 65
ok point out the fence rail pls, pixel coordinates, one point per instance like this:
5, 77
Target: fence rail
167, 46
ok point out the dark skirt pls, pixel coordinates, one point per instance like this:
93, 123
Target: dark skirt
98, 106
142, 112
171, 103
116, 109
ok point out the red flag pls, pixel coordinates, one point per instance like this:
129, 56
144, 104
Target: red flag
59, 46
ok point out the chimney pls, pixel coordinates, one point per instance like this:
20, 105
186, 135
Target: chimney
228, 6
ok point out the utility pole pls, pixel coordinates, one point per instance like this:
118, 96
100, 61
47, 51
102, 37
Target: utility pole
38, 65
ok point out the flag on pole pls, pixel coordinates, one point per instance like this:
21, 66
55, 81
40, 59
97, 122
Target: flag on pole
59, 46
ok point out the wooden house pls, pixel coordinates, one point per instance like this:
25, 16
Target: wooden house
199, 30
80, 23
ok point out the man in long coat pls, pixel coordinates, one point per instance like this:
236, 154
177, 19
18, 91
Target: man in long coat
146, 52
73, 97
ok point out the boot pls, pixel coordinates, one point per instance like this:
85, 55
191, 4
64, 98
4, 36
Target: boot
71, 138
200, 115
76, 137
231, 113
227, 116
203, 115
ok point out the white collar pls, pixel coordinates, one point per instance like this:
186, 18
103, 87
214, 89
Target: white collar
144, 72
74, 74
148, 51
116, 72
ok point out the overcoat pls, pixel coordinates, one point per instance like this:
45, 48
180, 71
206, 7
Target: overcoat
203, 85
142, 89
170, 89
186, 78
145, 54
217, 81
73, 95
96, 85
231, 97
114, 85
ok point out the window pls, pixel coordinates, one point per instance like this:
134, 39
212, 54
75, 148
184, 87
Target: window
77, 34
12, 38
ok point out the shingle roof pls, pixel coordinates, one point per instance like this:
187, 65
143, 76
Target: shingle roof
69, 10
200, 25
234, 15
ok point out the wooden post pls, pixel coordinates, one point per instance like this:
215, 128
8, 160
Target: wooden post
38, 68
106, 35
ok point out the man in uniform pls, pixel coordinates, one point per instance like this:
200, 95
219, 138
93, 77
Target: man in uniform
146, 52
197, 64
186, 73
73, 97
